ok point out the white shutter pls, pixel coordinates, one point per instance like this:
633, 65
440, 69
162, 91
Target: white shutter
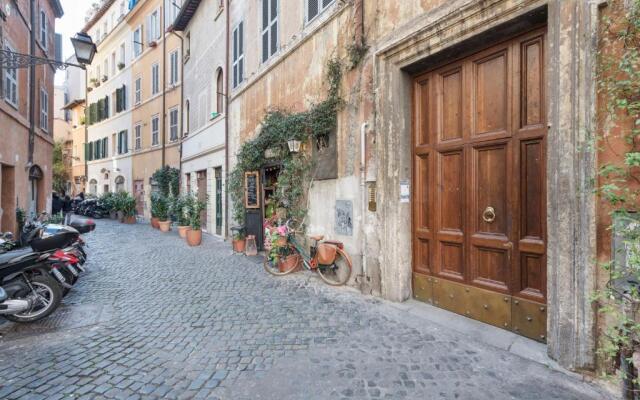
148, 30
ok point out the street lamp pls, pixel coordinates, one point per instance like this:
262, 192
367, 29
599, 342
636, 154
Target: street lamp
84, 48
294, 145
83, 45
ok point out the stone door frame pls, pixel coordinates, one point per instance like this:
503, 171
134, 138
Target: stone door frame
572, 27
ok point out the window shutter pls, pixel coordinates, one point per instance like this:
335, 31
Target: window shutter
105, 147
106, 107
123, 97
148, 29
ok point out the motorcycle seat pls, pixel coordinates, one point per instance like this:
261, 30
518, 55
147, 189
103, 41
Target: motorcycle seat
14, 256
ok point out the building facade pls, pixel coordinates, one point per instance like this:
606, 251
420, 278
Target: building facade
26, 110
203, 25
107, 150
75, 107
458, 154
156, 95
63, 133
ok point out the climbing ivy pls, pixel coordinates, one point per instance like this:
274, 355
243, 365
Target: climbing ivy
278, 127
168, 180
619, 85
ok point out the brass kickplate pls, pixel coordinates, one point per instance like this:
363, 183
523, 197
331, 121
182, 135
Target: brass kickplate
521, 316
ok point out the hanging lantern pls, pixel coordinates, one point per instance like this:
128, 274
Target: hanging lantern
294, 145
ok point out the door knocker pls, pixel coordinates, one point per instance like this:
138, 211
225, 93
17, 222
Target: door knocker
489, 215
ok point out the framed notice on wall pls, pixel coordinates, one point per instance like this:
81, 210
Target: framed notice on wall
252, 189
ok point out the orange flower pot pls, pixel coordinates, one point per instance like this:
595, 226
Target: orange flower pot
286, 263
194, 237
154, 223
165, 226
130, 219
239, 245
182, 231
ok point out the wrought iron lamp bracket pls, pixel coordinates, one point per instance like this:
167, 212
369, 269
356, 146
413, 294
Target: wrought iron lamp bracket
13, 60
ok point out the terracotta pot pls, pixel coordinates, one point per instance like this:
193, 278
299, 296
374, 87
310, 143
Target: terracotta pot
286, 263
154, 223
131, 219
239, 245
194, 237
165, 226
182, 231
113, 214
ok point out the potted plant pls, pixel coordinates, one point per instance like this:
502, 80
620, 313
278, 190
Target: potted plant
182, 211
120, 66
129, 209
154, 211
280, 251
162, 213
239, 241
194, 233
119, 200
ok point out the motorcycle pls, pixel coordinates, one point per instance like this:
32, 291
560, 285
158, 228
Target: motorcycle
29, 292
92, 208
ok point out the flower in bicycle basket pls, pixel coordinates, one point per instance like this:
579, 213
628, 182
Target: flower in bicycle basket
282, 230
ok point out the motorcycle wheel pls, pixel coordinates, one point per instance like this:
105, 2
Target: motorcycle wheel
48, 299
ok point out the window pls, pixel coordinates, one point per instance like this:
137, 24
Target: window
122, 9
173, 10
173, 70
93, 187
98, 76
137, 41
105, 147
137, 130
113, 63
138, 91
187, 178
315, 7
155, 126
121, 99
106, 70
219, 91
43, 29
10, 83
119, 183
105, 28
123, 146
187, 45
122, 56
153, 26
238, 55
269, 28
44, 110
186, 116
155, 79
173, 124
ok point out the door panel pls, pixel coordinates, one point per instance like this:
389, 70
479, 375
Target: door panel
479, 170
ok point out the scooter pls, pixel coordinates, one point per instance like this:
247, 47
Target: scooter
29, 292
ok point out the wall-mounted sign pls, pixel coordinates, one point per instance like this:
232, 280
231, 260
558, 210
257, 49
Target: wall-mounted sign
251, 189
405, 191
344, 217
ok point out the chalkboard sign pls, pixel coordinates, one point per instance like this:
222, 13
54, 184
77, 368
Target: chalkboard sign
251, 189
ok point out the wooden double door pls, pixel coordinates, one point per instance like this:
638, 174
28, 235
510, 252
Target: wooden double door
479, 198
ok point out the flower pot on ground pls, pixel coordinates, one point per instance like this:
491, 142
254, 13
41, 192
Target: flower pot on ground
155, 223
165, 226
239, 245
182, 230
113, 214
194, 237
130, 219
128, 205
194, 210
120, 216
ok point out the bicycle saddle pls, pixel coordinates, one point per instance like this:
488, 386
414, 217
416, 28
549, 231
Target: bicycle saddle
316, 237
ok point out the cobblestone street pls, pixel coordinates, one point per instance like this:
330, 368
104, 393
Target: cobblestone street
153, 318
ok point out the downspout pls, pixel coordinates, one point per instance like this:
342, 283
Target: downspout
164, 85
181, 101
86, 127
363, 189
32, 83
226, 123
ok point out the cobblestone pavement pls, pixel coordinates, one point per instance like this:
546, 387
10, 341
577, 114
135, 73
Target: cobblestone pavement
153, 318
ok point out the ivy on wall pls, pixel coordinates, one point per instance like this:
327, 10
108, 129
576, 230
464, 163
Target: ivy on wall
278, 127
619, 84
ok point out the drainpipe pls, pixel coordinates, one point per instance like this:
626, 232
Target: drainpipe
226, 123
32, 83
181, 100
363, 188
164, 85
86, 127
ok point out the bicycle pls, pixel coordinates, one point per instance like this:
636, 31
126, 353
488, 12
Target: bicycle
327, 257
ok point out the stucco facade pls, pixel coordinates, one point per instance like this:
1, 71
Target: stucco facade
204, 124
109, 134
160, 95
26, 136
374, 147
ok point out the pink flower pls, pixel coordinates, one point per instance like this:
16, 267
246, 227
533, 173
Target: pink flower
282, 230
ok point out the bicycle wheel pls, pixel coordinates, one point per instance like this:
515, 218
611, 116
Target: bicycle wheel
282, 268
338, 273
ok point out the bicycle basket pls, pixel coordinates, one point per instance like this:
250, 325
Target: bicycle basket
326, 254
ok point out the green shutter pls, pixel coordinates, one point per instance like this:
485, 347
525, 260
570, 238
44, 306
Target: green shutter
105, 145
